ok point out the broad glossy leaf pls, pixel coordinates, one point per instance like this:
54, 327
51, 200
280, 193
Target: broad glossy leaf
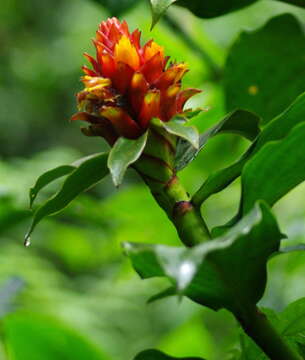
210, 9
124, 153
277, 129
89, 173
275, 170
292, 319
273, 76
158, 8
225, 272
187, 133
29, 336
240, 122
158, 355
218, 181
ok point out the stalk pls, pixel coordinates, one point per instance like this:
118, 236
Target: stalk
176, 202
257, 326
156, 167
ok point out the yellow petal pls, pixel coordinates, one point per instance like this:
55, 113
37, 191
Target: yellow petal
94, 83
152, 49
126, 52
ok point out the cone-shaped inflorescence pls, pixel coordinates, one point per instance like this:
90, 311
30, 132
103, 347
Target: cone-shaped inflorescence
128, 84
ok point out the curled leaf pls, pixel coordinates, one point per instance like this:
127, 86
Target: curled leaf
124, 153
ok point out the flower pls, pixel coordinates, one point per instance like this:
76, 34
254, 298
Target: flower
128, 84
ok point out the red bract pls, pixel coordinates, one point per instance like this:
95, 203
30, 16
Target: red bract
128, 84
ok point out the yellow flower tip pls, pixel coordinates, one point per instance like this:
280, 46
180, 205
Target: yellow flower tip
173, 90
137, 79
126, 52
151, 97
182, 68
152, 49
94, 82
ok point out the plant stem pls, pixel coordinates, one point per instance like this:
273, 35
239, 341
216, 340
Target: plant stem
156, 167
175, 201
257, 326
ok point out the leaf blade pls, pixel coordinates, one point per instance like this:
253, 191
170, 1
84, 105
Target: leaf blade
124, 153
86, 175
239, 122
258, 91
259, 178
47, 178
188, 133
277, 129
225, 272
158, 8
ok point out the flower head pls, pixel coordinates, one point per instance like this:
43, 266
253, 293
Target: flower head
128, 84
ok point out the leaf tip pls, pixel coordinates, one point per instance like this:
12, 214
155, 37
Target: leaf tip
127, 247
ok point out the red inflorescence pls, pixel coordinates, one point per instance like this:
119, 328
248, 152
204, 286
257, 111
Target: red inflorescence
129, 84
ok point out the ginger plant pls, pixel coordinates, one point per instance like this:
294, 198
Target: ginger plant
133, 98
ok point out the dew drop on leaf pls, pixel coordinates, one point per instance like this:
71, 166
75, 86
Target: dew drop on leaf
27, 241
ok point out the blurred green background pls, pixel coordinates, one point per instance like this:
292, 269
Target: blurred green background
72, 294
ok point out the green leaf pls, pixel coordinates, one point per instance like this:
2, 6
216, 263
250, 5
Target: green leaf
158, 355
276, 169
240, 122
158, 8
29, 336
277, 129
54, 174
218, 181
162, 295
89, 173
210, 9
124, 153
275, 73
229, 271
292, 319
188, 133
47, 178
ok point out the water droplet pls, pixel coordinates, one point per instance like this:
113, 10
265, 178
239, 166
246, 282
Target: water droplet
27, 241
